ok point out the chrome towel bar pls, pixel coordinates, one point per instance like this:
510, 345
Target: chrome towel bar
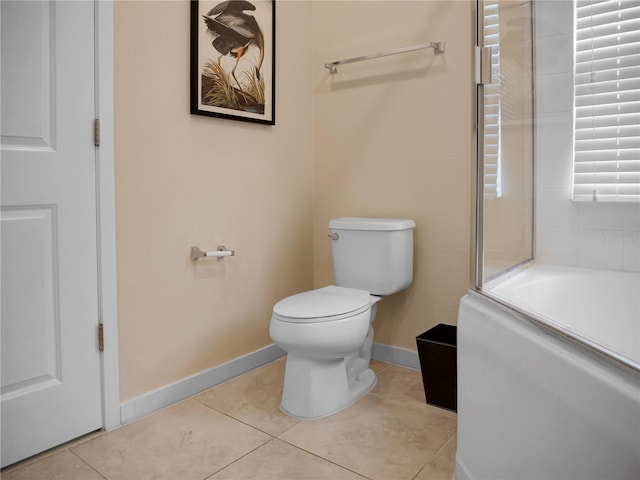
437, 46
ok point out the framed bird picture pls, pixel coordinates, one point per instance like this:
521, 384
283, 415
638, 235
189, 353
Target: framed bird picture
233, 59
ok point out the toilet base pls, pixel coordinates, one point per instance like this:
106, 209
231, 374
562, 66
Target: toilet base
316, 388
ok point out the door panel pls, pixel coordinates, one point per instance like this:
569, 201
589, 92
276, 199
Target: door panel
51, 389
29, 296
28, 112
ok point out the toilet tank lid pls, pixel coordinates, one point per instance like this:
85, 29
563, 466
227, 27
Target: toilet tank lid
371, 224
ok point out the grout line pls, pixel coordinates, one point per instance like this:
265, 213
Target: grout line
239, 458
323, 458
86, 463
446, 442
274, 437
237, 419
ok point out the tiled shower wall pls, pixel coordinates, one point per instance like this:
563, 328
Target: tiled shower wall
585, 234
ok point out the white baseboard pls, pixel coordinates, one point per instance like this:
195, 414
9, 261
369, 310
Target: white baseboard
396, 355
143, 405
148, 403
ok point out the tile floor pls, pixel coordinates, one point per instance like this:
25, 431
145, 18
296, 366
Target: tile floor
236, 431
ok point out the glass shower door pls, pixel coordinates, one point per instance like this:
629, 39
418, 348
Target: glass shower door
505, 139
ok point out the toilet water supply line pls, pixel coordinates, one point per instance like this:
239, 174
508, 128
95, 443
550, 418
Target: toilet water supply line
221, 252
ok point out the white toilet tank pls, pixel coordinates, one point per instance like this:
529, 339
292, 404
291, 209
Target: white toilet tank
372, 254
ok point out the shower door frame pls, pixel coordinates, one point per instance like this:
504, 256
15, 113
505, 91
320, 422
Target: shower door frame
477, 187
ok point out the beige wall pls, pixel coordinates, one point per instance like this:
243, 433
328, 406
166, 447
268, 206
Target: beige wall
185, 180
393, 138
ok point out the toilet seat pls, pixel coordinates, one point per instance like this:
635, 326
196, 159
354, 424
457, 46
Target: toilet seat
322, 305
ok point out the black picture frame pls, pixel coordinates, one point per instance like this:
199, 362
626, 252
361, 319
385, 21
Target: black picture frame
233, 59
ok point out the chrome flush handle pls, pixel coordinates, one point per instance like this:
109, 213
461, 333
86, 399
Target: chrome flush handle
334, 236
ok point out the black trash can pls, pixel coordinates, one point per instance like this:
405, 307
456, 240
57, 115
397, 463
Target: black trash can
437, 352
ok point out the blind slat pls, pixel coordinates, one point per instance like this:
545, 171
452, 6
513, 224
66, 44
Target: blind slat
601, 121
630, 13
608, 41
607, 98
599, 109
605, 155
631, 84
613, 51
626, 146
603, 30
588, 8
609, 75
610, 132
608, 63
608, 156
622, 167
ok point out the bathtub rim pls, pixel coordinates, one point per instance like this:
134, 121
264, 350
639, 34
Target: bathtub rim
558, 329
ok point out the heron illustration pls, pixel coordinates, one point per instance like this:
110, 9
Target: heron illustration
235, 31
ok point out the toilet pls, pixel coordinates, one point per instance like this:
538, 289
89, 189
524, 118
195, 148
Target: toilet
327, 332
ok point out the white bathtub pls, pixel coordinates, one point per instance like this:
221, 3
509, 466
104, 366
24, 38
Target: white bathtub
556, 397
599, 306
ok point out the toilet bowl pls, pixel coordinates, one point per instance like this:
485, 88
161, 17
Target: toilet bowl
327, 332
323, 332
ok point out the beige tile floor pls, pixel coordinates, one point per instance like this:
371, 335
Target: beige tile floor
236, 431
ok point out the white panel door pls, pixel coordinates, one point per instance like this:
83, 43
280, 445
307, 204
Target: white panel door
51, 387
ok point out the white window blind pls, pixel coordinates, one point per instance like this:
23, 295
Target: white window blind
492, 109
607, 100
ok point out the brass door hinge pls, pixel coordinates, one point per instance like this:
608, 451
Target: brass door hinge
100, 338
96, 132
